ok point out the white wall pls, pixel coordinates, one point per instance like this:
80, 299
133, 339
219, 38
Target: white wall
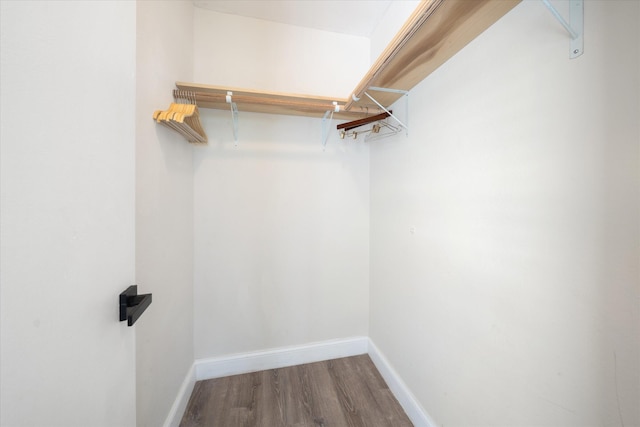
281, 226
281, 236
250, 53
164, 210
516, 300
67, 213
395, 17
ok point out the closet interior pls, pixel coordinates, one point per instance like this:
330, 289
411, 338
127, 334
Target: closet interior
435, 32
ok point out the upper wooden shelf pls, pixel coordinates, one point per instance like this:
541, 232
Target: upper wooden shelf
208, 96
436, 31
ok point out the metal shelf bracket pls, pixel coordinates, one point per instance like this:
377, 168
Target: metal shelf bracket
234, 115
575, 26
326, 125
406, 102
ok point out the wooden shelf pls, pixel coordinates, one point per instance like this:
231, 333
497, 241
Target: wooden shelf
208, 96
436, 31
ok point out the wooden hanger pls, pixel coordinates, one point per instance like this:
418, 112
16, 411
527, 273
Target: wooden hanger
361, 122
183, 118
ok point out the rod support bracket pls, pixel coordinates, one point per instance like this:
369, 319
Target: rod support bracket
575, 26
382, 89
326, 125
234, 115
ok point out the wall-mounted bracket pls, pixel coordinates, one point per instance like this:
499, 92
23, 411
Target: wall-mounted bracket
234, 115
132, 305
405, 126
326, 126
381, 127
575, 26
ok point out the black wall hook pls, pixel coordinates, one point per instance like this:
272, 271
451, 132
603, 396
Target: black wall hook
133, 305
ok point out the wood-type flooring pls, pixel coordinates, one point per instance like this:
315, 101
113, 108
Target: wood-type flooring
345, 392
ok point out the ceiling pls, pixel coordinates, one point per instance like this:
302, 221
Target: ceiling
355, 17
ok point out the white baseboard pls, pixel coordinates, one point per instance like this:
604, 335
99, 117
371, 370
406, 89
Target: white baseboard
279, 357
182, 399
243, 363
407, 400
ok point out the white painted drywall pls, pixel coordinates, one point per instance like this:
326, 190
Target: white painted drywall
281, 226
251, 53
388, 27
281, 236
67, 213
164, 210
515, 300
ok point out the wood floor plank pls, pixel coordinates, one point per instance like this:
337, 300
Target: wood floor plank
299, 410
322, 400
244, 399
271, 407
207, 401
359, 378
347, 392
